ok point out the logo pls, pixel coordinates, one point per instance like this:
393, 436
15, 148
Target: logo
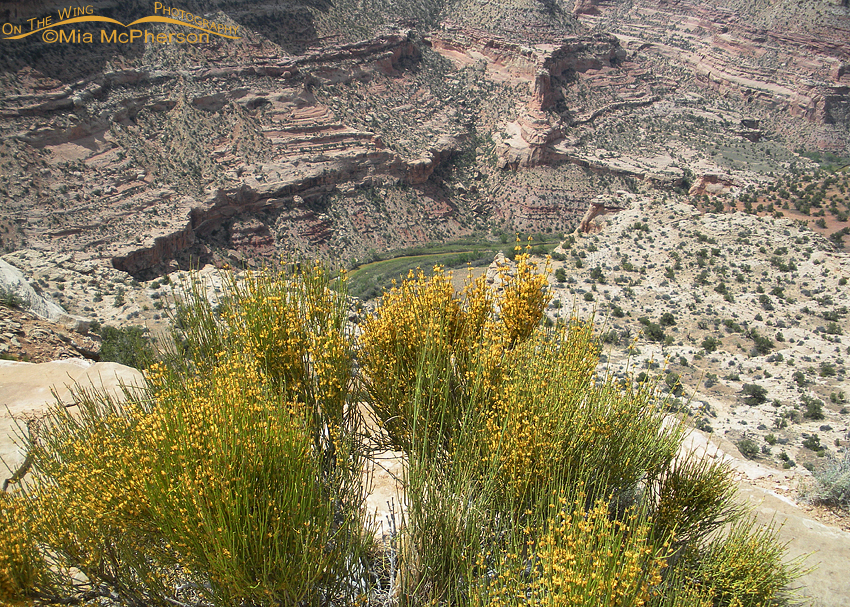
52, 31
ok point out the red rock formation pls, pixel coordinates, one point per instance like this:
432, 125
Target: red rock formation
792, 64
542, 97
596, 209
420, 169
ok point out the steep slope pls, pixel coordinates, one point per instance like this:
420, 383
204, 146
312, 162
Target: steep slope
340, 128
780, 58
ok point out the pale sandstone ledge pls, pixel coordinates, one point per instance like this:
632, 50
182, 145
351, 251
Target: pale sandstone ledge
27, 390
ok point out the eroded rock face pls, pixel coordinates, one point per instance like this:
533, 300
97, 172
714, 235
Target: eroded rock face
789, 61
280, 143
13, 282
712, 184
420, 169
163, 248
541, 95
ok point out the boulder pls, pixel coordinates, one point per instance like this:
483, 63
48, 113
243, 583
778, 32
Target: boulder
13, 281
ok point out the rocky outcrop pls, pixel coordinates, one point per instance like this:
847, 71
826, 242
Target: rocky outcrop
535, 64
250, 234
602, 206
539, 129
14, 284
156, 251
620, 105
498, 269
420, 169
542, 97
28, 390
712, 184
549, 69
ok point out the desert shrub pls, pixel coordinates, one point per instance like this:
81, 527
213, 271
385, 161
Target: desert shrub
583, 557
229, 432
611, 337
754, 394
540, 429
710, 344
499, 494
424, 314
239, 473
732, 326
744, 567
725, 292
10, 299
653, 331
762, 344
827, 369
674, 384
834, 328
831, 484
693, 498
103, 529
814, 407
120, 299
129, 346
812, 443
235, 474
20, 573
748, 447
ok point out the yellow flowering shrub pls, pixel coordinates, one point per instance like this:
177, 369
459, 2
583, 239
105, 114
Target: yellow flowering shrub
238, 471
539, 407
240, 496
551, 419
426, 337
523, 300
87, 499
420, 315
743, 567
19, 569
293, 324
265, 464
582, 557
